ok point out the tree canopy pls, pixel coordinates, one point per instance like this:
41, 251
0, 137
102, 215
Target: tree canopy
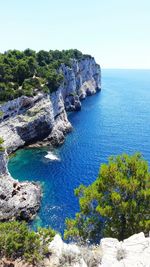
117, 204
18, 68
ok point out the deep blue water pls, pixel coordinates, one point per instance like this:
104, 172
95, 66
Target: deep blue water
114, 121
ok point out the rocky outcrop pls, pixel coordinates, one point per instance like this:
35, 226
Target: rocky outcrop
40, 123
17, 200
18, 106
132, 252
82, 80
40, 120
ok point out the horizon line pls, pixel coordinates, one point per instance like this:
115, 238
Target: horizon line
123, 68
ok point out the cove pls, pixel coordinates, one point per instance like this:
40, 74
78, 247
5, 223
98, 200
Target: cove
115, 121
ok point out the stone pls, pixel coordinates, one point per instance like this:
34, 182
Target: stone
134, 251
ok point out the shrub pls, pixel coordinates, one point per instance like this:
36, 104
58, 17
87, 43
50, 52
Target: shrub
16, 240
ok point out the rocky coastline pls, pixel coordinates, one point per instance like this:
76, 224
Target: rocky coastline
40, 121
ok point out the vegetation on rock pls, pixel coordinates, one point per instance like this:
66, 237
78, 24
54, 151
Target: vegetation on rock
27, 72
1, 145
17, 241
116, 204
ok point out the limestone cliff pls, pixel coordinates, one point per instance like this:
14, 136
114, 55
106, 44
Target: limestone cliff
27, 120
40, 120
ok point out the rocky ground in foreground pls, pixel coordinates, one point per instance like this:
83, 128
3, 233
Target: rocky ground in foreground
132, 252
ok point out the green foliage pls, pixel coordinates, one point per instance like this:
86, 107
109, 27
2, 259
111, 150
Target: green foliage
43, 58
2, 149
18, 68
1, 141
116, 204
1, 113
16, 240
54, 80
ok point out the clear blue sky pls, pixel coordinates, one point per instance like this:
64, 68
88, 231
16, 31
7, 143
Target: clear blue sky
116, 32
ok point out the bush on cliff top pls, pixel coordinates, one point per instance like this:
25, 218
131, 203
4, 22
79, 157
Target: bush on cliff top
116, 204
19, 68
16, 240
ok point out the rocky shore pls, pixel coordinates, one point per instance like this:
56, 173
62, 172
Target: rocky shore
40, 121
17, 200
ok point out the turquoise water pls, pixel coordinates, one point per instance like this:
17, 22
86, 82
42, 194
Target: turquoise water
114, 121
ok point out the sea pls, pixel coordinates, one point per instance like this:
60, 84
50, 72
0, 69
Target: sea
111, 122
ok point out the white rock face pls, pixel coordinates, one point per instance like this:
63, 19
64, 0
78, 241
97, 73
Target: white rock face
83, 79
18, 106
35, 123
132, 252
64, 254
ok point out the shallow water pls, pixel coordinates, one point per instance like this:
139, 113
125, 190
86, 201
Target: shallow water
114, 121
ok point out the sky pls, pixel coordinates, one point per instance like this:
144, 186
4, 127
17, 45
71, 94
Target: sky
115, 32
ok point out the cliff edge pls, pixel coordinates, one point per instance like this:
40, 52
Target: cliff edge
37, 121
